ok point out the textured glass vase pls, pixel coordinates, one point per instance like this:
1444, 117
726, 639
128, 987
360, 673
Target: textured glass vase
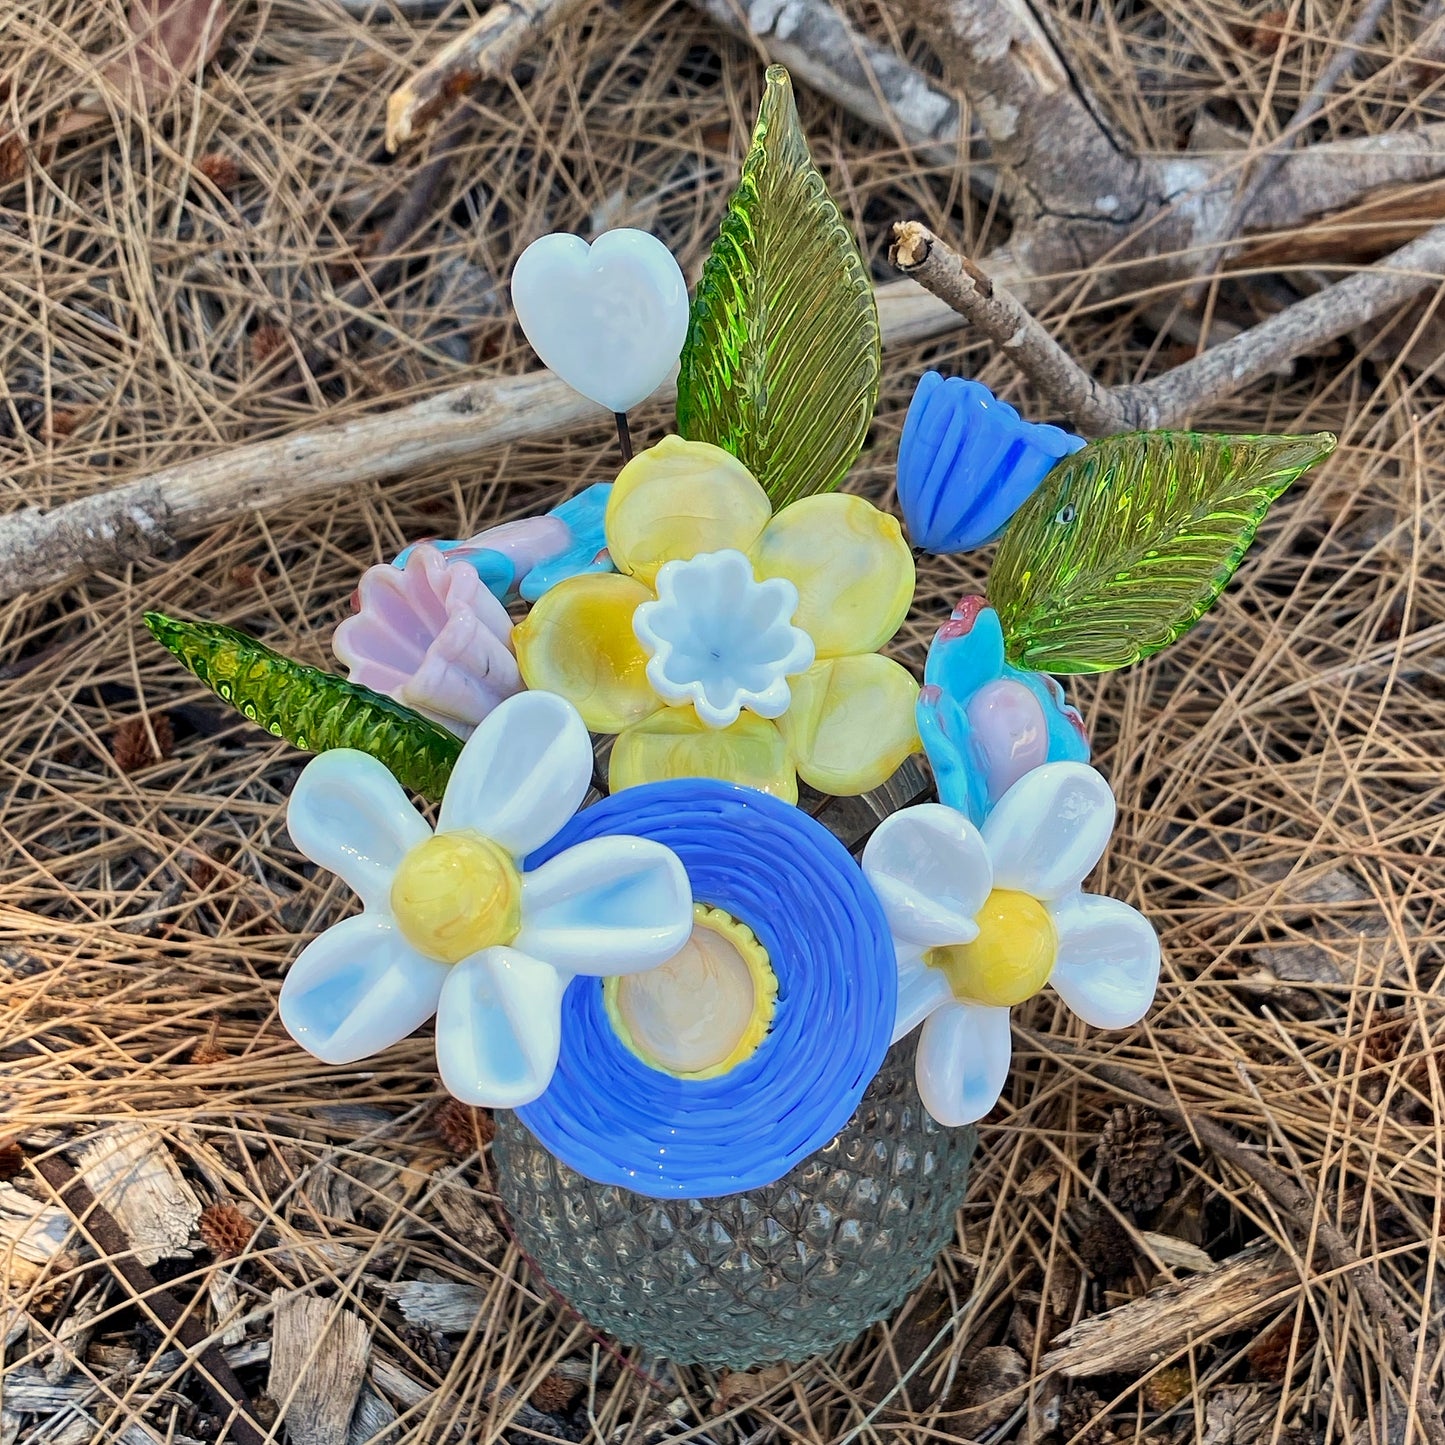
773, 1274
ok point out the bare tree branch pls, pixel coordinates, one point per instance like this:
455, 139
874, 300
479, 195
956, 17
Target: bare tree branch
953, 278
145, 517
1328, 177
821, 48
1169, 399
1337, 310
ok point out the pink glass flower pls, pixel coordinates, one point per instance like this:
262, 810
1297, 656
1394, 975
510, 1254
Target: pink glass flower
432, 636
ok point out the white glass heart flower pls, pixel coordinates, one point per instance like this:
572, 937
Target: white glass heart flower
982, 920
609, 318
452, 926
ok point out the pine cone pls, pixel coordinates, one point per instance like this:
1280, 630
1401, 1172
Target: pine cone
131, 742
1167, 1388
1079, 1421
431, 1347
225, 1229
1105, 1249
220, 169
1131, 1149
555, 1393
462, 1128
1269, 1355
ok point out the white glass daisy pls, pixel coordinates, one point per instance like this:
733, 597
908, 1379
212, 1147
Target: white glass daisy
451, 924
982, 920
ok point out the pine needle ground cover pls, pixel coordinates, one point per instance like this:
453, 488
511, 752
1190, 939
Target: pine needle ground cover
181, 282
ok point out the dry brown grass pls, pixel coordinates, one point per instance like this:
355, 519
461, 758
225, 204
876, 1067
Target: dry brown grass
1279, 771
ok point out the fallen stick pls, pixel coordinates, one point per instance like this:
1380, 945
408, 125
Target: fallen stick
142, 518
823, 50
1166, 400
1153, 1330
485, 50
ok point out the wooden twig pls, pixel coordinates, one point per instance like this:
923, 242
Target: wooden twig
143, 518
319, 1354
1284, 1192
483, 51
1169, 399
1086, 205
1147, 1331
996, 312
1307, 325
219, 1379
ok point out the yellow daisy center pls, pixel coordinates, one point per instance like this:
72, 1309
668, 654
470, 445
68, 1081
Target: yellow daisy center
1012, 957
706, 1009
455, 895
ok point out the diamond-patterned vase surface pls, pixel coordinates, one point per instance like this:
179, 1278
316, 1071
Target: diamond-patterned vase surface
779, 1273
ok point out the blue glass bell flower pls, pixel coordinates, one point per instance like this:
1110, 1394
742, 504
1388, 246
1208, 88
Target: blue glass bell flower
985, 723
967, 462
526, 557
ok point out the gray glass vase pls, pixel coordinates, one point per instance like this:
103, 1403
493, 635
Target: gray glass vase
779, 1273
774, 1274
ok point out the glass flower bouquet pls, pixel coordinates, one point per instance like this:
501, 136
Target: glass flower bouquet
697, 1005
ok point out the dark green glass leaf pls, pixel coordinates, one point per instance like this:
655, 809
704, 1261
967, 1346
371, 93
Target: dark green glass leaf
782, 357
311, 709
1127, 543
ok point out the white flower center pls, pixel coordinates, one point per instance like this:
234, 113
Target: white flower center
720, 639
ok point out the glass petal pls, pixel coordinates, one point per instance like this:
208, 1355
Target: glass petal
851, 566
609, 905
499, 1028
921, 990
1108, 965
357, 989
851, 723
578, 641
522, 774
963, 1058
680, 498
349, 814
1050, 829
675, 743
930, 869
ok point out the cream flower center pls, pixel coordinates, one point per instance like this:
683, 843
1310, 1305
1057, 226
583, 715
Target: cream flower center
720, 639
703, 1011
455, 895
1012, 957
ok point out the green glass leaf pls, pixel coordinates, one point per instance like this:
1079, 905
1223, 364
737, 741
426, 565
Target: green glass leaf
311, 709
1127, 543
782, 357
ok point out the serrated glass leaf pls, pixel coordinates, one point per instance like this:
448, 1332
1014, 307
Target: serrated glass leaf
313, 710
782, 357
1127, 543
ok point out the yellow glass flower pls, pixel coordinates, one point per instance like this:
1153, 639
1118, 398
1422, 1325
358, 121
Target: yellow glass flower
732, 643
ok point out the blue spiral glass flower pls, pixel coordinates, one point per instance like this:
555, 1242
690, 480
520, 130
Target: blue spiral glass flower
967, 462
615, 1119
984, 722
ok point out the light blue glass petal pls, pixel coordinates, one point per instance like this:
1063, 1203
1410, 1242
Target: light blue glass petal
584, 515
493, 568
967, 462
967, 655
